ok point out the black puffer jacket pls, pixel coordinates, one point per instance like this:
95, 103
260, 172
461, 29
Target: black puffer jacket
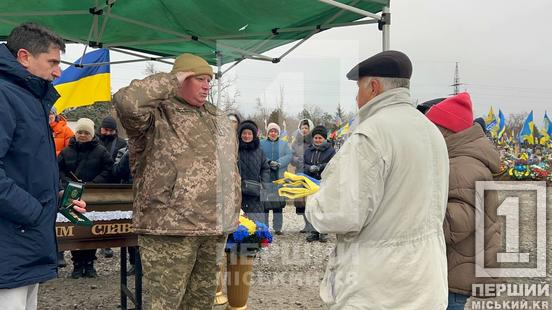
112, 144
253, 165
121, 167
317, 156
89, 161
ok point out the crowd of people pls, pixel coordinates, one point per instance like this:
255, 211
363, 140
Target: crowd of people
399, 194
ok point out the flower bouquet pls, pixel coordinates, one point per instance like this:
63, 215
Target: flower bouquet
242, 245
249, 238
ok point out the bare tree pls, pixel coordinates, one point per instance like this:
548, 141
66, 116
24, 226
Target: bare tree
261, 114
226, 92
515, 121
150, 69
340, 113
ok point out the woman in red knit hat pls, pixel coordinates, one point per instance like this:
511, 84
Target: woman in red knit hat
472, 158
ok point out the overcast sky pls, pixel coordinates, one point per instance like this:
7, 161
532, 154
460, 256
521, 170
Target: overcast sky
503, 51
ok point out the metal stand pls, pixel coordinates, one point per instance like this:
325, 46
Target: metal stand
136, 297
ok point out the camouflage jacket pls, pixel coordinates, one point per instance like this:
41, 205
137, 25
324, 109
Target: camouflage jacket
183, 160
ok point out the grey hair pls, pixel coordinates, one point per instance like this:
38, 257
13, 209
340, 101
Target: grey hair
389, 83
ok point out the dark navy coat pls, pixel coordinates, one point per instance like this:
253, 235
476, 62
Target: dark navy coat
28, 177
317, 156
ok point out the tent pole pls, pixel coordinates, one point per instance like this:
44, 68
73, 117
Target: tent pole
219, 76
146, 58
351, 8
104, 22
232, 66
317, 30
296, 29
386, 19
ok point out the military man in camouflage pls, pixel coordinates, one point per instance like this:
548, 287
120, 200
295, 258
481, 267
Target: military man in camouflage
183, 155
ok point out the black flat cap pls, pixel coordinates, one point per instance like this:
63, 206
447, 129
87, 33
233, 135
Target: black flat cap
392, 64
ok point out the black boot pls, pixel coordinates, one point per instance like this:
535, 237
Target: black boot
89, 270
78, 270
61, 260
314, 236
323, 238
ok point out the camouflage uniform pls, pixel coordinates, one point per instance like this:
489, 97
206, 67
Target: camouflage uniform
167, 270
186, 183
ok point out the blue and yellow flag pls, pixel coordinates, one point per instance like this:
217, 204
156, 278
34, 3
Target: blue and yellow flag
546, 130
284, 135
82, 86
526, 133
490, 120
501, 124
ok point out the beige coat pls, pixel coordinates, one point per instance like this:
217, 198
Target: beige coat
384, 194
183, 159
472, 158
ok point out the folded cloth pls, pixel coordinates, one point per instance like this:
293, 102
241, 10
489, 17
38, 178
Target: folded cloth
297, 185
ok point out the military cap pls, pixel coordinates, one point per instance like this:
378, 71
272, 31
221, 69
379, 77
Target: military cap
392, 64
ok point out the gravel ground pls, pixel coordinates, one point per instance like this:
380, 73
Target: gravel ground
286, 276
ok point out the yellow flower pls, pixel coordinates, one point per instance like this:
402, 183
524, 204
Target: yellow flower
249, 224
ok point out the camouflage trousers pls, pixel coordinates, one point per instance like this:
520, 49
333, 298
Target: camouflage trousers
181, 272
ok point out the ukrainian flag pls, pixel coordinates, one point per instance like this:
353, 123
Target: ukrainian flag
490, 120
82, 86
501, 124
526, 133
284, 135
546, 130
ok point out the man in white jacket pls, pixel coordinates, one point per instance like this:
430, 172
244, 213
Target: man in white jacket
384, 194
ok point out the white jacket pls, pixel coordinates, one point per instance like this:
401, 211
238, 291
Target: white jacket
384, 194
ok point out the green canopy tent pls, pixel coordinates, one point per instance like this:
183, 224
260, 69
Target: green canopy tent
221, 31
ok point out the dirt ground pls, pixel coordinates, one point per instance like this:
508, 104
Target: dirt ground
286, 276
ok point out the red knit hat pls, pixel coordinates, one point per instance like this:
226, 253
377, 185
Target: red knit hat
454, 113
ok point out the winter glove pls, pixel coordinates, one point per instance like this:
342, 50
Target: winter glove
274, 165
314, 169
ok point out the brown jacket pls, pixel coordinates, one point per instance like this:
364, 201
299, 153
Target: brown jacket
183, 160
472, 158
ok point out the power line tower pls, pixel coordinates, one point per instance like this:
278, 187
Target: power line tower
456, 84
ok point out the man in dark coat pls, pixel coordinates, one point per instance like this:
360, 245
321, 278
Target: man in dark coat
29, 61
109, 138
254, 168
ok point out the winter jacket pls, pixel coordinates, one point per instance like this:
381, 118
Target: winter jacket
472, 158
28, 177
88, 161
384, 194
62, 133
299, 144
183, 160
121, 167
279, 151
253, 165
317, 156
112, 144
